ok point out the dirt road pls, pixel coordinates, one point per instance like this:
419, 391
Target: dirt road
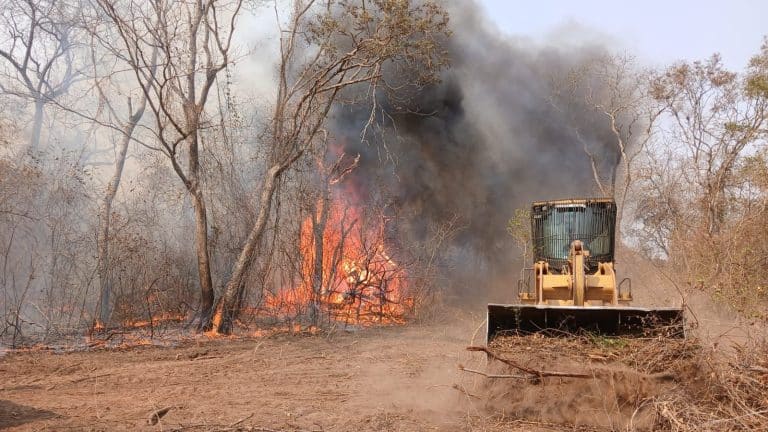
388, 379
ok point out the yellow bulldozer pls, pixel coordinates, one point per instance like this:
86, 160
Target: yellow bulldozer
572, 286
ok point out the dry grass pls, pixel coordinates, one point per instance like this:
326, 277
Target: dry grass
719, 392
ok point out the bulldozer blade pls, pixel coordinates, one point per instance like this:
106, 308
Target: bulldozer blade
604, 320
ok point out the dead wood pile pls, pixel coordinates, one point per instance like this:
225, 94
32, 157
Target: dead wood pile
601, 383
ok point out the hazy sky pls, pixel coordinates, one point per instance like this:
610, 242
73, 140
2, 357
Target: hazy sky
656, 31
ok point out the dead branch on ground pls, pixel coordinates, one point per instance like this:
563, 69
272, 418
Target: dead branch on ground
537, 373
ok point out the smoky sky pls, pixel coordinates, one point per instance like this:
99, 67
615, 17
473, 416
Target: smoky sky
488, 139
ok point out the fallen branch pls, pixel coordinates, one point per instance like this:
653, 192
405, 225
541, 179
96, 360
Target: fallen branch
205, 358
487, 375
537, 373
241, 420
472, 341
79, 380
465, 391
155, 417
661, 376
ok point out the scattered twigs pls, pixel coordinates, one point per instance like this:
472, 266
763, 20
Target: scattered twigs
241, 420
207, 427
735, 397
466, 392
75, 381
482, 324
95, 341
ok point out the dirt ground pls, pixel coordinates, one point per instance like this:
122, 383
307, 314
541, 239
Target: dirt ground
403, 378
385, 379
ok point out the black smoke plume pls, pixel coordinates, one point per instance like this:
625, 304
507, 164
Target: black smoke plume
490, 138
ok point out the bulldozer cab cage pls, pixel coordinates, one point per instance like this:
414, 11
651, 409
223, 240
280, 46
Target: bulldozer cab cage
572, 285
556, 224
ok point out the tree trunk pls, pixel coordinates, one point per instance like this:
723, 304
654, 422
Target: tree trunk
229, 305
105, 212
318, 232
105, 280
201, 213
37, 126
104, 311
203, 260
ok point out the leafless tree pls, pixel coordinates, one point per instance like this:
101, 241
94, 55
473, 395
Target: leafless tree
617, 89
127, 126
38, 53
194, 39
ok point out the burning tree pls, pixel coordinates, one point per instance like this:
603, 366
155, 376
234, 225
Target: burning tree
164, 59
346, 274
336, 52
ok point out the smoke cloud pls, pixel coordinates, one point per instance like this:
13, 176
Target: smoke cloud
488, 139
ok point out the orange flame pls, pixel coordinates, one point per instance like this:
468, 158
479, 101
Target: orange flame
161, 318
356, 282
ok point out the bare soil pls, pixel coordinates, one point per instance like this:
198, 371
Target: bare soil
404, 378
385, 379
